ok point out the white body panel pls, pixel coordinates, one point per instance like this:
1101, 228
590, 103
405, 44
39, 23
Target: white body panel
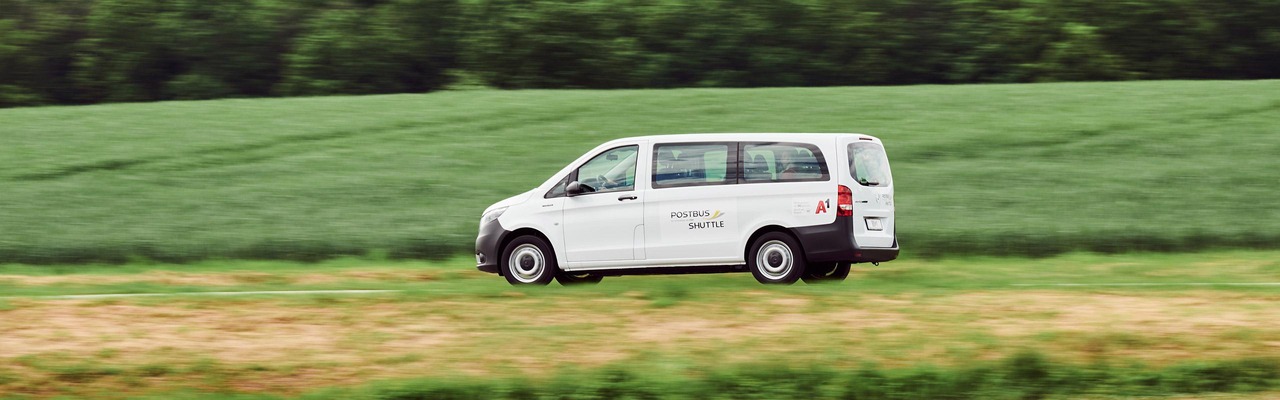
605, 227
694, 225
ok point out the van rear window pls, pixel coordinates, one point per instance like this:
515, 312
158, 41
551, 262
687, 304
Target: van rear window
869, 165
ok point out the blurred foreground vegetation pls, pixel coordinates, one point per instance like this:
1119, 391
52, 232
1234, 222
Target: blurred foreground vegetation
1028, 375
956, 328
91, 51
1032, 169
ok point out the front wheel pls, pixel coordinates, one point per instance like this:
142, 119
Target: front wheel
776, 258
826, 272
528, 260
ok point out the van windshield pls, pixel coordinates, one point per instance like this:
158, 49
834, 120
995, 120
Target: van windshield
869, 165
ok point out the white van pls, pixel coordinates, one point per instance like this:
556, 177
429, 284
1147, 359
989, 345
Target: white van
783, 206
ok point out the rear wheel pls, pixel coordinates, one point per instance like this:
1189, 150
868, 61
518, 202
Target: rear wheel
776, 258
826, 272
528, 260
569, 278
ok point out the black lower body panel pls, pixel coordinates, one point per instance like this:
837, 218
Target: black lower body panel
834, 242
488, 255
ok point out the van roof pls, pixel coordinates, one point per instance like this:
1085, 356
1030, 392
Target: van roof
761, 137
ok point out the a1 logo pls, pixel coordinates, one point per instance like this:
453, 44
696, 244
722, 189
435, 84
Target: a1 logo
823, 205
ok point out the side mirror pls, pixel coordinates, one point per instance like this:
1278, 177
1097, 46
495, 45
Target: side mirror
575, 188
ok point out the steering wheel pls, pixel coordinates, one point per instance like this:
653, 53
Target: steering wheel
605, 182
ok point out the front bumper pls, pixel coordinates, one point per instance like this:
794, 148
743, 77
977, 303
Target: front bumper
488, 253
834, 242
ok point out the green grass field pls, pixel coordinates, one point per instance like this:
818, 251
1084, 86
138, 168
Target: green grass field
980, 169
955, 328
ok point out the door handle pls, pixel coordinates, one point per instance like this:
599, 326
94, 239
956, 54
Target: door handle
626, 197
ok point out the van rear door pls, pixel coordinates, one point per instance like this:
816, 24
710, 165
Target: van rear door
866, 173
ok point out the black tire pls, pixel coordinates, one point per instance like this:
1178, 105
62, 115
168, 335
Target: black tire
826, 272
528, 260
570, 279
776, 259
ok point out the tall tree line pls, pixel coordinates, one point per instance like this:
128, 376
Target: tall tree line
92, 51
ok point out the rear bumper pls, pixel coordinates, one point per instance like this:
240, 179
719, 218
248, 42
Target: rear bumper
834, 242
488, 255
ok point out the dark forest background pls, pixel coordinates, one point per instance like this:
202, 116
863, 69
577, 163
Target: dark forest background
93, 51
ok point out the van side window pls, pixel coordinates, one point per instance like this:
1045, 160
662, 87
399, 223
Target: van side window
782, 162
693, 164
612, 171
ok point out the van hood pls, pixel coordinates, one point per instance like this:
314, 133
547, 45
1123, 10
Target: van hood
510, 201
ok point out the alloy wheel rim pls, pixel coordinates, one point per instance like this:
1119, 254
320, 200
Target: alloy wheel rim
775, 260
526, 263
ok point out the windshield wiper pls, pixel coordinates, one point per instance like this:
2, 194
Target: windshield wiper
864, 181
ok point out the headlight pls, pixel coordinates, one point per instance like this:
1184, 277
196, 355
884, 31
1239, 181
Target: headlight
492, 216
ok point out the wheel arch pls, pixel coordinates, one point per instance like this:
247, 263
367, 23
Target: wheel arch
751, 240
511, 236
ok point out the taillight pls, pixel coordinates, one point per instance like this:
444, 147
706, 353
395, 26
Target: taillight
844, 201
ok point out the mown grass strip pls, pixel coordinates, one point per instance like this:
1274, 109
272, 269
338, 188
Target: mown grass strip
244, 293
1235, 270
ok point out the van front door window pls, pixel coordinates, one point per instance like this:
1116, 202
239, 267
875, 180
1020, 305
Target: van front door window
611, 171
